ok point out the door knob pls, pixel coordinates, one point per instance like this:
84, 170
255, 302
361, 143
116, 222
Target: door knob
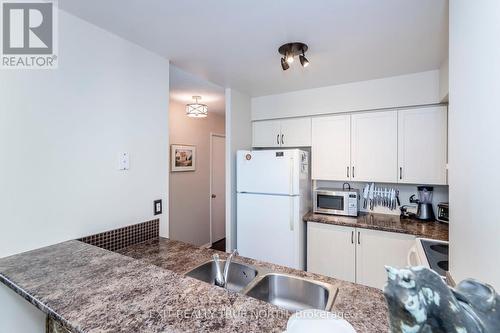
214, 196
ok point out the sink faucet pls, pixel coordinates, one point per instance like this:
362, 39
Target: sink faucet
222, 275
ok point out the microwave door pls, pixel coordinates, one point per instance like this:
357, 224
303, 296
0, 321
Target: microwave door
333, 204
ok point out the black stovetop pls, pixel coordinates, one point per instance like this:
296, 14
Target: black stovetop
437, 255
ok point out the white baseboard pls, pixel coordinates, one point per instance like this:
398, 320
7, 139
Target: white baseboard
206, 246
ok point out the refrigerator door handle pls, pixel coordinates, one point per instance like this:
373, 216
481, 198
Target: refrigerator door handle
291, 194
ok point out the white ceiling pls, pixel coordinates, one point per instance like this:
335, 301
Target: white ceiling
184, 85
234, 42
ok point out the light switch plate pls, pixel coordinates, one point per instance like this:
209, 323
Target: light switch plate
157, 207
123, 161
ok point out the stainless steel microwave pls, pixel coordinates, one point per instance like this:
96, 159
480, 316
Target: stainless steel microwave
336, 201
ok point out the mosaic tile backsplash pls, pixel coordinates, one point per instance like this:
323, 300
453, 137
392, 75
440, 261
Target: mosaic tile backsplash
117, 239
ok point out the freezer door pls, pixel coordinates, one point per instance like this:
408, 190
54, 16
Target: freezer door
268, 229
268, 171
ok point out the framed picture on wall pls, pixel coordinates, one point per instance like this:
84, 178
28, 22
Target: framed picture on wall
182, 158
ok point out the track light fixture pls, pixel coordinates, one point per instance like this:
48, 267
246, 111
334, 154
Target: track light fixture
303, 60
289, 51
284, 64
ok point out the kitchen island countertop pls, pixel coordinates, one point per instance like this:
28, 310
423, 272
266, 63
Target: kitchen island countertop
143, 289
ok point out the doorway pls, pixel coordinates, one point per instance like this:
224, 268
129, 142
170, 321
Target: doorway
190, 190
218, 191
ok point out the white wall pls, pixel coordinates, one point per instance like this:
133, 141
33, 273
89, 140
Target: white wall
398, 91
238, 136
474, 140
60, 133
444, 80
19, 316
189, 195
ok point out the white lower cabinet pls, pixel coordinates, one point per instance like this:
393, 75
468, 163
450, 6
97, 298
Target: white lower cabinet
331, 251
376, 249
355, 254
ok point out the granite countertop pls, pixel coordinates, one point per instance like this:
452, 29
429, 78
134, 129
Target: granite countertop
142, 289
385, 222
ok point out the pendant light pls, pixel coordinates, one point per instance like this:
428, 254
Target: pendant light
196, 110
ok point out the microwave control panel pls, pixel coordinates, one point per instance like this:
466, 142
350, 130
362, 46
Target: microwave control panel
352, 204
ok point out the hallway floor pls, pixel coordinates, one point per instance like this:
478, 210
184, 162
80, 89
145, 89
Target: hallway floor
219, 245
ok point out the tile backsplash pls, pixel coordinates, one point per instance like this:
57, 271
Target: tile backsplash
116, 239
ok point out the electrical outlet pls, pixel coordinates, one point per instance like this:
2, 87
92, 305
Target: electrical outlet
157, 207
123, 161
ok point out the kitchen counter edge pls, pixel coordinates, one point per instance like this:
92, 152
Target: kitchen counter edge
384, 222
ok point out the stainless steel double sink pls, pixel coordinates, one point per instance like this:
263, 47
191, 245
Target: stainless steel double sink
286, 291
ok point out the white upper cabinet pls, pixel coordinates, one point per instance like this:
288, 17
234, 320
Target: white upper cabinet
374, 137
294, 132
422, 145
267, 133
331, 147
398, 146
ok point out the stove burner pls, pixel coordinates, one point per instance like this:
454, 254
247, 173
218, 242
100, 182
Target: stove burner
443, 265
437, 255
441, 248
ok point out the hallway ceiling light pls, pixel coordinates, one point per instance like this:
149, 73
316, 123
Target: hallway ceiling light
196, 110
289, 51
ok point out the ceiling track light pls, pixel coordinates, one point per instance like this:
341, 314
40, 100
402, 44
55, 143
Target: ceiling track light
284, 64
303, 60
291, 50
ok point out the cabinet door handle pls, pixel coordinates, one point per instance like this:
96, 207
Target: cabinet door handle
400, 172
353, 172
359, 237
282, 139
278, 139
352, 237
347, 172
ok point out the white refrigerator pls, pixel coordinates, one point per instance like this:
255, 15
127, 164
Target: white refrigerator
273, 193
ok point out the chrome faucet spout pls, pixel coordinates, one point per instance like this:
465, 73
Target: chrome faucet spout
228, 263
219, 276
